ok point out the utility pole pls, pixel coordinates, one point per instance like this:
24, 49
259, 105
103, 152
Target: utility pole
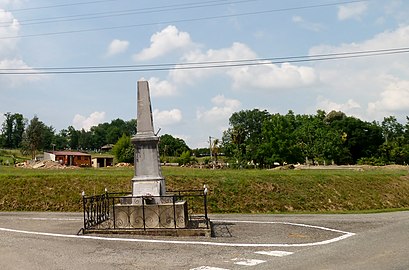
210, 146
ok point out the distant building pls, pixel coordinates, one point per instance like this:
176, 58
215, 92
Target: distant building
107, 147
99, 162
69, 158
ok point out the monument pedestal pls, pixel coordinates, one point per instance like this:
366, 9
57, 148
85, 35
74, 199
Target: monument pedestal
151, 216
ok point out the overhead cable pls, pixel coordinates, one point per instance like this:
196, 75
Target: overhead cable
201, 65
260, 12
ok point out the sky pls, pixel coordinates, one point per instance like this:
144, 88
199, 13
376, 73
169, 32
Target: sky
164, 42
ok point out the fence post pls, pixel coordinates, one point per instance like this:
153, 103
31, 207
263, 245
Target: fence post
83, 207
143, 213
113, 210
205, 205
174, 211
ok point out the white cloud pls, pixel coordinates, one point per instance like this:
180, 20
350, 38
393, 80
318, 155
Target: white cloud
316, 27
8, 50
375, 81
263, 76
394, 98
15, 80
160, 88
9, 28
352, 11
327, 105
271, 76
235, 52
82, 122
117, 46
219, 114
11, 3
167, 118
169, 39
238, 51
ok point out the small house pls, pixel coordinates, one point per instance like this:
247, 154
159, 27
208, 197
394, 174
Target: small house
69, 158
102, 161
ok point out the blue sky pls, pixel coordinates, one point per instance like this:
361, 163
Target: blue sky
194, 104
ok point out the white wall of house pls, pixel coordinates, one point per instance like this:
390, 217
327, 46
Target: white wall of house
49, 156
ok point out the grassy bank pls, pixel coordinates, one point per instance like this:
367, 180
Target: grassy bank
244, 191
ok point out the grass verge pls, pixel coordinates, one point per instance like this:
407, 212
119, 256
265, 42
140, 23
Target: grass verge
231, 191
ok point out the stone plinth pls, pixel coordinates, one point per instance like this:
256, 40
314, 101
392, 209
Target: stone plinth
156, 216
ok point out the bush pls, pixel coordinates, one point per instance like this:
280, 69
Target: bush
373, 161
184, 158
123, 150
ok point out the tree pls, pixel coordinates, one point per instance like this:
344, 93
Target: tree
61, 140
12, 130
73, 137
123, 150
395, 148
37, 137
244, 136
171, 146
279, 140
316, 138
215, 148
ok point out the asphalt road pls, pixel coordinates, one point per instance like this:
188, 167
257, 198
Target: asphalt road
364, 241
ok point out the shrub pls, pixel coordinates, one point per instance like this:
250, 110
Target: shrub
123, 150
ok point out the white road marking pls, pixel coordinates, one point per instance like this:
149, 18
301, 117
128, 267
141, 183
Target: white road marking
276, 253
46, 219
247, 262
325, 242
208, 268
281, 222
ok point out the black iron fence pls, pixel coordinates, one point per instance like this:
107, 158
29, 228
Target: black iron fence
185, 209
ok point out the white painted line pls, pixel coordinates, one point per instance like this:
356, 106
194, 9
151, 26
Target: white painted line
325, 242
247, 262
208, 268
281, 222
46, 219
276, 253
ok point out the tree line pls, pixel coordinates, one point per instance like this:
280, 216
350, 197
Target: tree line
32, 136
254, 137
264, 139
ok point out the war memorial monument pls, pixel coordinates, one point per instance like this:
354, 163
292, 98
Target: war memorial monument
149, 209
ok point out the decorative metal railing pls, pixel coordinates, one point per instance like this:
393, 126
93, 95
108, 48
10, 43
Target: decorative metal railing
122, 211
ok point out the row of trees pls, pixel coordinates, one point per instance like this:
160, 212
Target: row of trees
31, 136
253, 136
266, 138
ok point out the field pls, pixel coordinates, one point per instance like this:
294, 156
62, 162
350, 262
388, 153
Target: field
231, 191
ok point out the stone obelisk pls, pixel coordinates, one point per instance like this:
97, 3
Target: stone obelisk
148, 179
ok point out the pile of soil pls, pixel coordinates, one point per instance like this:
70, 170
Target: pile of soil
44, 164
123, 164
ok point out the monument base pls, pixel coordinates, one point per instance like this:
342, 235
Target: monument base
148, 187
151, 216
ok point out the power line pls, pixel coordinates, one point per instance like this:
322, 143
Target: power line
60, 5
202, 65
183, 20
90, 16
286, 58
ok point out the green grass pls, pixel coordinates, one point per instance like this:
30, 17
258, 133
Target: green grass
11, 157
231, 191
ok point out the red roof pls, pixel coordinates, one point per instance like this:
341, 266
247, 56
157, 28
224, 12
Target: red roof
69, 153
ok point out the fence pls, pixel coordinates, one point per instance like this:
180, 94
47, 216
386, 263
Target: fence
185, 209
